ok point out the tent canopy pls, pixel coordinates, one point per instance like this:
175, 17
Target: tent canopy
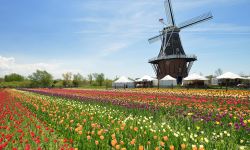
229, 75
146, 78
167, 81
194, 77
168, 78
123, 79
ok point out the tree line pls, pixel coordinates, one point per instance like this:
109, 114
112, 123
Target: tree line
42, 78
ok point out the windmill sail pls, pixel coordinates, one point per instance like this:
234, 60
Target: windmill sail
155, 38
169, 12
159, 37
196, 20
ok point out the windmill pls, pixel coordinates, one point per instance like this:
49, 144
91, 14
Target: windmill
172, 60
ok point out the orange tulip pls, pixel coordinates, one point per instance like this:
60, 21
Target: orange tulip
162, 144
121, 142
165, 138
102, 137
132, 142
88, 137
113, 136
141, 147
135, 129
117, 147
183, 146
113, 142
171, 147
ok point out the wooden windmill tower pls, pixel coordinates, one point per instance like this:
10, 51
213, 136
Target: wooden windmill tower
172, 60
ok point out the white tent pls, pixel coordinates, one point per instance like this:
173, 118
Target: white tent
229, 75
123, 82
195, 77
167, 81
123, 79
148, 78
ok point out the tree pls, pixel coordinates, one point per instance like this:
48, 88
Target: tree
13, 77
90, 78
218, 72
41, 79
67, 79
99, 78
108, 83
58, 83
77, 79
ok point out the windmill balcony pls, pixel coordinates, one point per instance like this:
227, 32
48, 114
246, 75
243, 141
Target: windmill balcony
168, 57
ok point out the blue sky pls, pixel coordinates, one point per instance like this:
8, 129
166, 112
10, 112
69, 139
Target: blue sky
110, 36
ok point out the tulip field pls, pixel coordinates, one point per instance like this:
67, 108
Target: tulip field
136, 119
21, 128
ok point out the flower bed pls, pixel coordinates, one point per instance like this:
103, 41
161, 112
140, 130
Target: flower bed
96, 119
21, 129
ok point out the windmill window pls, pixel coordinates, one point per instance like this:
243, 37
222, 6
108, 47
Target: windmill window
177, 51
180, 70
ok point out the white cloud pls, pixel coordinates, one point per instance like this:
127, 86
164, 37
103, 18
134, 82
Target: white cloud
88, 64
9, 65
5, 62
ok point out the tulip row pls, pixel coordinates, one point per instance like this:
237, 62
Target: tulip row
21, 129
225, 111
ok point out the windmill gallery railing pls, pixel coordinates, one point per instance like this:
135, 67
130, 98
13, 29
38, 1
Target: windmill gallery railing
173, 57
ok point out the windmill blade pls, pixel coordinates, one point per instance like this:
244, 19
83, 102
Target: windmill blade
155, 38
196, 20
160, 37
169, 12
